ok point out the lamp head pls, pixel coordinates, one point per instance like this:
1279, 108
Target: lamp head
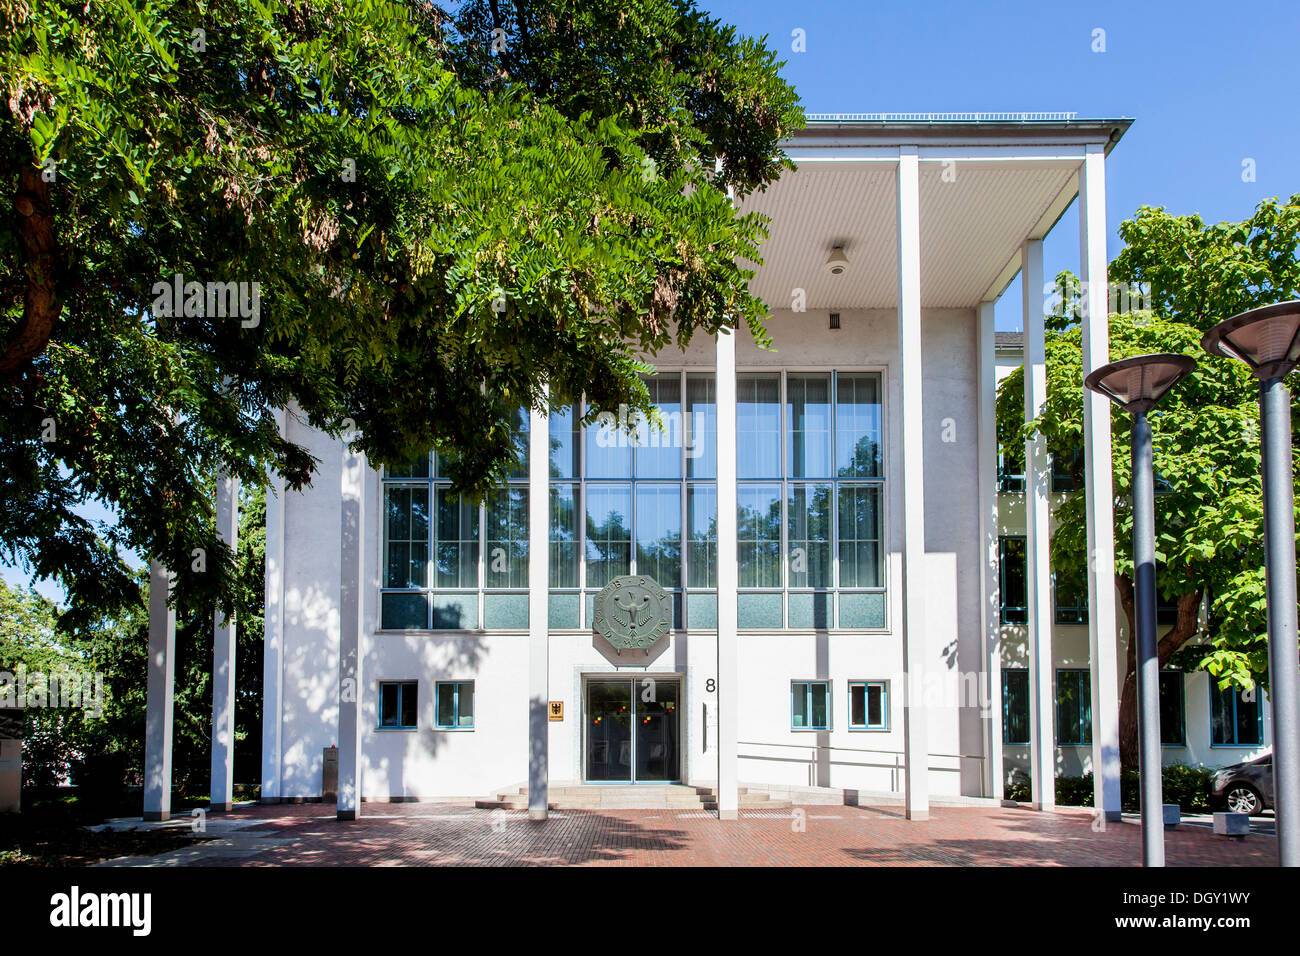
1267, 339
1137, 384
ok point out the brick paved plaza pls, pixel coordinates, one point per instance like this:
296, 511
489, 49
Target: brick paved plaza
439, 834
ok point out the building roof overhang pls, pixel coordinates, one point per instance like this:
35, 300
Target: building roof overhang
988, 182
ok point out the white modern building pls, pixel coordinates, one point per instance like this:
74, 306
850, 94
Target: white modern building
826, 516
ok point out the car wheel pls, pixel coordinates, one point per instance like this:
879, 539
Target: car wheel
1244, 799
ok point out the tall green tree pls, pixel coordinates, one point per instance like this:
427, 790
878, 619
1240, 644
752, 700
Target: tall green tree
1206, 453
400, 220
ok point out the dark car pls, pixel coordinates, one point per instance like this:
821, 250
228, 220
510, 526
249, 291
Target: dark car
1244, 787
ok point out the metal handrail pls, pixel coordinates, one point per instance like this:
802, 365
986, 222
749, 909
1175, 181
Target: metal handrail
861, 750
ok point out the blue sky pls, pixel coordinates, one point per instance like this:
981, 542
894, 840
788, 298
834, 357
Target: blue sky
1209, 84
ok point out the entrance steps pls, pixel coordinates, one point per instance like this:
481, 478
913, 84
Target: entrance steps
672, 796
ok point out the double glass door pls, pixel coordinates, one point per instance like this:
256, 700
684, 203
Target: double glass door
632, 729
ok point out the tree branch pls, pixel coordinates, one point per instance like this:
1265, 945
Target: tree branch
42, 301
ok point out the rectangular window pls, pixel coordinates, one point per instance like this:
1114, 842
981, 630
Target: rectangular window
1011, 469
1173, 732
406, 536
808, 426
758, 426
506, 520
701, 423
398, 704
454, 705
456, 541
809, 534
857, 426
861, 553
702, 533
564, 535
1234, 720
1071, 599
564, 440
1073, 707
1015, 706
810, 705
868, 705
609, 533
759, 536
659, 443
659, 533
1011, 572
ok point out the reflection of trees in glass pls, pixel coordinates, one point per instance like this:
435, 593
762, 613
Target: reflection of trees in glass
860, 564
661, 559
809, 513
564, 537
506, 519
865, 462
609, 548
759, 537
703, 555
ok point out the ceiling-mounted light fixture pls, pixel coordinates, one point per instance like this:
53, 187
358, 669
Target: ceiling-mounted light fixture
837, 263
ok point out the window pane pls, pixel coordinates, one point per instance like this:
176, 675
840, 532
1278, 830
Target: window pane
523, 421
445, 705
876, 705
507, 539
417, 469
609, 447
857, 705
1221, 713
702, 535
857, 426
609, 533
1012, 571
702, 423
820, 694
1015, 706
564, 536
564, 444
759, 535
860, 546
406, 536
659, 444
758, 426
409, 699
659, 533
1171, 708
1073, 707
808, 425
1247, 720
457, 544
388, 710
799, 705
809, 535
465, 705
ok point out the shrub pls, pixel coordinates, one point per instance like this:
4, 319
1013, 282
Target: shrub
1186, 786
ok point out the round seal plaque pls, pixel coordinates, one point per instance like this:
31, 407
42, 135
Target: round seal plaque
633, 612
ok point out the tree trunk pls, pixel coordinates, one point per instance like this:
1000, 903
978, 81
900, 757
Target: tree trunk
1184, 629
42, 301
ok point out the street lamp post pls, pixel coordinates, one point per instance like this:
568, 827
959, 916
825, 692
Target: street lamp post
1136, 385
1268, 340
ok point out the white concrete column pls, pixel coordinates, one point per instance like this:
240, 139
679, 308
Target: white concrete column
1038, 569
990, 617
273, 635
728, 685
916, 746
350, 657
160, 695
221, 792
1102, 629
539, 575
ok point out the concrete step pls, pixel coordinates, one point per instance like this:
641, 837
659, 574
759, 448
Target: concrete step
594, 797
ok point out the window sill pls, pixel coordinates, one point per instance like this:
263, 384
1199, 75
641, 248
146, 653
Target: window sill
453, 730
391, 730
868, 730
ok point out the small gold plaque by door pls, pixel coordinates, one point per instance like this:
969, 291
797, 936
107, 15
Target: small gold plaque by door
556, 711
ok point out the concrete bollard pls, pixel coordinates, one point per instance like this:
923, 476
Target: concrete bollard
1173, 814
1235, 825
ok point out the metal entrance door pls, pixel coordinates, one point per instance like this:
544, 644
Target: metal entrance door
632, 729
